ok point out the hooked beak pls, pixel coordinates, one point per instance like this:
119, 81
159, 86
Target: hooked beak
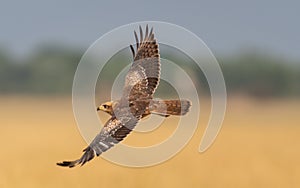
98, 109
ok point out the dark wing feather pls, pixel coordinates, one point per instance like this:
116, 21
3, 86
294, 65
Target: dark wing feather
136, 39
132, 50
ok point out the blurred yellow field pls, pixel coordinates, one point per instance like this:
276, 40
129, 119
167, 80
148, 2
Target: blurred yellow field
258, 146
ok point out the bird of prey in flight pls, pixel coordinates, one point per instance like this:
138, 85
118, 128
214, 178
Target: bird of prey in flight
136, 102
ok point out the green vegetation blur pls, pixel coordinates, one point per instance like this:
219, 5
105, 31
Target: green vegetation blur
50, 70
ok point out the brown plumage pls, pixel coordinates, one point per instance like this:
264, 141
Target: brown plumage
136, 102
169, 107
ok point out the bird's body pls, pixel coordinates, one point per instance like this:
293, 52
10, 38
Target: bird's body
159, 107
136, 102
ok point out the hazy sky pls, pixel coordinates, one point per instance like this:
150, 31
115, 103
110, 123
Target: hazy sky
225, 26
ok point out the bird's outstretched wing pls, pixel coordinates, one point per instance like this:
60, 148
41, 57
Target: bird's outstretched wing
146, 60
140, 84
113, 132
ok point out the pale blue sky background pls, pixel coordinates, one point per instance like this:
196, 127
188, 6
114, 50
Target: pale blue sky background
226, 27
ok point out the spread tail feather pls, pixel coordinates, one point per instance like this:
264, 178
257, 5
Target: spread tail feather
88, 155
170, 107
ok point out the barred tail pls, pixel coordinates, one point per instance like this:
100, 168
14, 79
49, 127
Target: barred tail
170, 107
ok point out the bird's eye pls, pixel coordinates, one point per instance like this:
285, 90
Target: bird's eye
105, 106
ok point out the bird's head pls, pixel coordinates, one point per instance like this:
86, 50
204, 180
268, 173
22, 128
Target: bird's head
106, 107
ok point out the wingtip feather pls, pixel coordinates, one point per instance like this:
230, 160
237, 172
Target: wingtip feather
88, 155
